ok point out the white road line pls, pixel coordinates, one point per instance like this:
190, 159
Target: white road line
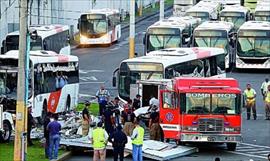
245, 154
260, 152
244, 147
260, 146
86, 95
249, 150
90, 78
85, 83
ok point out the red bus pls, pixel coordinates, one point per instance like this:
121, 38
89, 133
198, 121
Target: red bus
202, 110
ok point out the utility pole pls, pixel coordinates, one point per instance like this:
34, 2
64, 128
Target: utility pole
132, 29
141, 8
21, 109
161, 10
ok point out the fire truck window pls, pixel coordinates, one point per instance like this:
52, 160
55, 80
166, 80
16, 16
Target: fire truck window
169, 100
224, 103
197, 103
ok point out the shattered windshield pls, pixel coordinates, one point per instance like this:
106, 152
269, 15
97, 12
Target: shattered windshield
207, 38
236, 18
253, 43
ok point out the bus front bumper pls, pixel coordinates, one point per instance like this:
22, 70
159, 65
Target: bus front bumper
215, 138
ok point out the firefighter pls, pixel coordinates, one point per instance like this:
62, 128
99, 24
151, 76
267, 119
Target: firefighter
99, 139
267, 104
250, 101
154, 127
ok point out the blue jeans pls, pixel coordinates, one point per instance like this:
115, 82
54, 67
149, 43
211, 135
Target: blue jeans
137, 152
53, 146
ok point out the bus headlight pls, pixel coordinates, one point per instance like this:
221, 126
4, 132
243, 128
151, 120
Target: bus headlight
190, 128
83, 39
239, 61
232, 129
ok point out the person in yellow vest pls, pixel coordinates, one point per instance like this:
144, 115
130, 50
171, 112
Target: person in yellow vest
267, 104
250, 101
137, 141
99, 138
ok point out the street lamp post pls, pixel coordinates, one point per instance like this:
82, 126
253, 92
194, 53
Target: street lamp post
161, 12
132, 29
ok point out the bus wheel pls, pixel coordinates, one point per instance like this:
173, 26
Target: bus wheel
67, 109
44, 112
231, 146
6, 133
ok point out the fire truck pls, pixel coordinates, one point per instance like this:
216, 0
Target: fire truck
201, 110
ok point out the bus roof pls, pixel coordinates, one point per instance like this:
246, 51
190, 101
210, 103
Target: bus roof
106, 11
188, 84
171, 56
235, 8
169, 23
45, 30
255, 25
200, 8
263, 7
42, 57
215, 25
211, 3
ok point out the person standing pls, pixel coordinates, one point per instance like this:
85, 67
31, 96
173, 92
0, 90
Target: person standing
99, 139
137, 102
86, 119
46, 134
103, 97
137, 141
30, 124
153, 102
54, 129
250, 101
155, 130
118, 140
127, 120
264, 87
108, 120
267, 104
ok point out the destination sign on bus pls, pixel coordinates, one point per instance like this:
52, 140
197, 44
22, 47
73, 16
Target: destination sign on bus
262, 13
145, 67
93, 17
253, 33
164, 31
232, 14
211, 33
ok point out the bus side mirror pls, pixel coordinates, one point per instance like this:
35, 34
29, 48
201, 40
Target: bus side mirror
2, 50
78, 24
114, 81
144, 39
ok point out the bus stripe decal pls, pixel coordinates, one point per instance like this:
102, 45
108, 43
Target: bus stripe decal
53, 101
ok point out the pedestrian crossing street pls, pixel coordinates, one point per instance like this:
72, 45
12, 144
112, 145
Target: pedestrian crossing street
252, 150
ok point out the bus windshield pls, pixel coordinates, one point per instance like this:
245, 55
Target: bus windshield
205, 103
237, 18
204, 16
161, 38
132, 72
253, 44
262, 16
206, 38
93, 24
12, 43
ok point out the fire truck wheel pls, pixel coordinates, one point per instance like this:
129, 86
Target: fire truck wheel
231, 146
7, 129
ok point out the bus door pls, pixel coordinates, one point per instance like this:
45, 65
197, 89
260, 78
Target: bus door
169, 114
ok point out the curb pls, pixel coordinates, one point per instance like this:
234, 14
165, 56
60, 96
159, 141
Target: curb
64, 156
145, 17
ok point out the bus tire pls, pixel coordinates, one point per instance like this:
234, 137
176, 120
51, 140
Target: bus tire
231, 146
7, 129
67, 108
44, 111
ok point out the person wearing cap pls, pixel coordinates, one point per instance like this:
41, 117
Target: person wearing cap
154, 127
137, 141
99, 138
137, 102
250, 101
118, 139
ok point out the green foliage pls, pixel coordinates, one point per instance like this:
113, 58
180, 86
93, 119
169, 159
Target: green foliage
93, 109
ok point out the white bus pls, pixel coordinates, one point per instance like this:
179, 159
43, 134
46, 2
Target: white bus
253, 45
169, 33
99, 26
236, 14
262, 12
180, 6
49, 37
168, 63
53, 81
218, 34
206, 10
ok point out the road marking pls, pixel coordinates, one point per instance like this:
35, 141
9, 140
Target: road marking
83, 83
252, 150
86, 95
90, 78
116, 48
81, 71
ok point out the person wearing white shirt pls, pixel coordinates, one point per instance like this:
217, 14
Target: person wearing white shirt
264, 88
154, 102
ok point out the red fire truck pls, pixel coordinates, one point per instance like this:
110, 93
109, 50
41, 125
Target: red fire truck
202, 110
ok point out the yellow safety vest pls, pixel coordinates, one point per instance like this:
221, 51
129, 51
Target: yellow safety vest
139, 139
98, 138
267, 98
250, 93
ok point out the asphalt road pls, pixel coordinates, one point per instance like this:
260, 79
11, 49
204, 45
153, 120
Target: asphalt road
97, 65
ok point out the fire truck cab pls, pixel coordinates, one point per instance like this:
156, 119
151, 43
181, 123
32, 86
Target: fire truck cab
202, 110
